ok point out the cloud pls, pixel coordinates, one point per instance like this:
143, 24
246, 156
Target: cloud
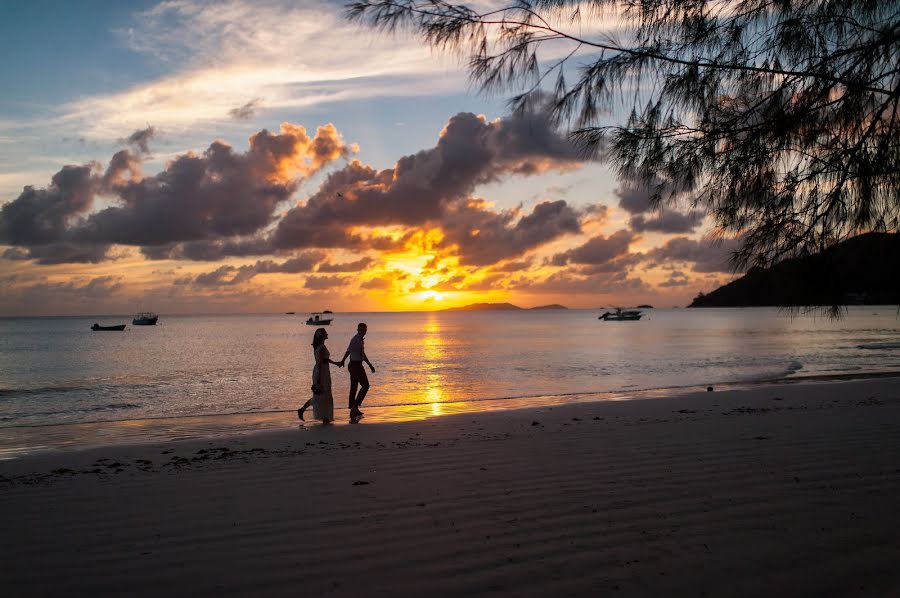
513, 266
677, 278
66, 253
224, 203
42, 216
377, 284
38, 297
668, 221
640, 199
357, 266
434, 186
247, 110
224, 275
220, 54
705, 255
598, 250
140, 139
218, 194
233, 275
325, 282
482, 237
568, 282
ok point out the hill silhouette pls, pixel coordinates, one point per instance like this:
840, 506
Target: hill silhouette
860, 270
501, 307
485, 307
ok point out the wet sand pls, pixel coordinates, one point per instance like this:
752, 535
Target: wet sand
776, 490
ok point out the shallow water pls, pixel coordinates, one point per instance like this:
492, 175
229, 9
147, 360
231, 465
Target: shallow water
56, 370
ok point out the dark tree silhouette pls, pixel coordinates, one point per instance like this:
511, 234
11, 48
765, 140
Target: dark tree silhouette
779, 117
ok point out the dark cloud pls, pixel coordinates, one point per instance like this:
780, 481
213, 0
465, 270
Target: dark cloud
324, 282
705, 255
513, 266
234, 275
622, 263
640, 200
212, 197
571, 282
491, 282
305, 262
140, 139
598, 250
224, 275
431, 185
677, 278
209, 251
41, 295
42, 216
16, 253
64, 253
246, 111
484, 237
223, 203
667, 221
377, 284
357, 266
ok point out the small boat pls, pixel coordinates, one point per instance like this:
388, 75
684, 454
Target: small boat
145, 318
97, 327
318, 320
289, 313
621, 315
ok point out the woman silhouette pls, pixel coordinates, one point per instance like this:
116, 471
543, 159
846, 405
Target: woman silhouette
322, 401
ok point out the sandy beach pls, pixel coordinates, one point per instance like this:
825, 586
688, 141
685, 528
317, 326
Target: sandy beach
780, 490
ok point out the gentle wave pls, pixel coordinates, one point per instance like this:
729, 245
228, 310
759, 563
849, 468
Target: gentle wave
882, 345
77, 411
768, 376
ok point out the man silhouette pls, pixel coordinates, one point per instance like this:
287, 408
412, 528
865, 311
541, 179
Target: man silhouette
356, 351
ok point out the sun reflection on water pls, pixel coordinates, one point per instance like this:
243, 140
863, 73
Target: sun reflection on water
431, 362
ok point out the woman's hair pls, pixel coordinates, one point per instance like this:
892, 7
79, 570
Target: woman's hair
318, 338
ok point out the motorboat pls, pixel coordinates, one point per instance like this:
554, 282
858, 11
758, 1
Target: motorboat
145, 318
621, 315
318, 320
97, 327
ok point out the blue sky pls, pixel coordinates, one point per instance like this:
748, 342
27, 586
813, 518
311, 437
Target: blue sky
79, 78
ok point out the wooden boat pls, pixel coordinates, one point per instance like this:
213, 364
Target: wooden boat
145, 318
97, 327
621, 315
318, 320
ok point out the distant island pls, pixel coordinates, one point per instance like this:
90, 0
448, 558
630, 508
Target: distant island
860, 270
500, 307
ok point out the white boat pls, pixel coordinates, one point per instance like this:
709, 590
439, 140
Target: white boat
318, 320
145, 318
621, 315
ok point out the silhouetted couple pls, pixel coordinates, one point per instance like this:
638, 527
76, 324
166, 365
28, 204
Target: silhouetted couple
322, 399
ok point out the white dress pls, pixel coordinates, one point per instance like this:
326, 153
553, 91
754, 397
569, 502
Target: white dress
323, 402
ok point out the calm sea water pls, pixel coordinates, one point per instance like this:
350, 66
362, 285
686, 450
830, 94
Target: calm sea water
56, 370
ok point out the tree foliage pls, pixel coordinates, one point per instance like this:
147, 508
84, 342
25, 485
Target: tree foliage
779, 117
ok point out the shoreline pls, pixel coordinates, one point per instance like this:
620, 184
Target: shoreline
782, 489
21, 441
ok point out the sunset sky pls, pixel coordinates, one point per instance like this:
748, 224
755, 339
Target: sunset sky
192, 157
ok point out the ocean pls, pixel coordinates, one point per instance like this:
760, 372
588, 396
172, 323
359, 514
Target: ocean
55, 370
